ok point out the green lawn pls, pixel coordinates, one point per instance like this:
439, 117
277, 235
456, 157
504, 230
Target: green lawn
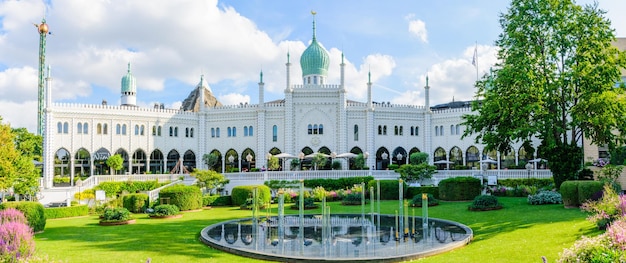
517, 233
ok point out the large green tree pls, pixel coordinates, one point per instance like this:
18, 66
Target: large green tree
17, 170
555, 80
209, 179
116, 162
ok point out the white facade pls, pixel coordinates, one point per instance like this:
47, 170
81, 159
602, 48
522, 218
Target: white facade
311, 118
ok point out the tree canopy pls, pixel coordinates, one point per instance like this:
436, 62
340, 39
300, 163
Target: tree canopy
209, 179
17, 169
555, 80
116, 162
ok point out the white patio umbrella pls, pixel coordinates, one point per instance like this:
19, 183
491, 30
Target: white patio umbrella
314, 154
346, 155
446, 162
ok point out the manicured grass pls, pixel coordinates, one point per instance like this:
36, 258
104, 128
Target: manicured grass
517, 233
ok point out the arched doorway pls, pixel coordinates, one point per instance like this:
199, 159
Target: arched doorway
189, 160
440, 155
232, 161
82, 163
399, 156
157, 163
382, 158
138, 163
172, 158
248, 159
124, 156
100, 158
456, 157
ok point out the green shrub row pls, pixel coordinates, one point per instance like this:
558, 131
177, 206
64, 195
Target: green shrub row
413, 191
538, 182
186, 197
33, 211
336, 184
63, 212
545, 197
136, 203
388, 188
240, 194
575, 193
459, 188
114, 188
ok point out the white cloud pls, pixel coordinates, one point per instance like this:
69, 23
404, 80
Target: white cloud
418, 28
233, 99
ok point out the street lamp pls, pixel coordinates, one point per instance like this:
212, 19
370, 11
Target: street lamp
398, 158
384, 155
231, 158
249, 159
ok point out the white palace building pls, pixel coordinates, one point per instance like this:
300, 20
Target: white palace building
314, 116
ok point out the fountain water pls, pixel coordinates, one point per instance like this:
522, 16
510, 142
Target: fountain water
338, 237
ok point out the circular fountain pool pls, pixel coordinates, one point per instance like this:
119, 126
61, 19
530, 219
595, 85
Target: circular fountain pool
345, 238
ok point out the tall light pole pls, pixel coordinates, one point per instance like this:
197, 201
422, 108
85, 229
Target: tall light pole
43, 31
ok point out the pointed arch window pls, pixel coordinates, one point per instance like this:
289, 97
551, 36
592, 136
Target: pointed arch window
105, 128
274, 133
142, 130
85, 128
99, 128
385, 130
79, 128
118, 129
175, 131
250, 131
136, 129
356, 132
191, 132
217, 132
59, 127
123, 129
159, 131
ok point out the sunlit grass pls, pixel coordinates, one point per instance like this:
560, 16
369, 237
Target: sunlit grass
517, 233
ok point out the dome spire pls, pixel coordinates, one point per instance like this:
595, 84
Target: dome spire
314, 13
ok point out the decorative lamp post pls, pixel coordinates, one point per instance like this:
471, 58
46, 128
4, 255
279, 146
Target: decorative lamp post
249, 159
231, 159
398, 158
384, 155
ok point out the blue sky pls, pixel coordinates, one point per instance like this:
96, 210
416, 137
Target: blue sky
171, 43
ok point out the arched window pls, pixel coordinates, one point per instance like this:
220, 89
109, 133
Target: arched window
436, 130
401, 130
175, 131
315, 129
250, 131
385, 130
123, 129
245, 131
191, 132
217, 132
212, 132
310, 130
274, 133
412, 131
153, 130
458, 130
395, 130
79, 128
59, 127
452, 130
142, 130
159, 131
314, 79
356, 132
321, 129
136, 129
105, 129
118, 129
171, 131
229, 132
380, 130
99, 128
85, 128
417, 130
186, 131
234, 131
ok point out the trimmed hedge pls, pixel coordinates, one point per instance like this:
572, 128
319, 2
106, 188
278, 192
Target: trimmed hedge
114, 188
216, 200
33, 211
459, 188
574, 193
136, 203
165, 210
388, 188
240, 194
413, 191
63, 212
336, 184
485, 202
186, 197
516, 183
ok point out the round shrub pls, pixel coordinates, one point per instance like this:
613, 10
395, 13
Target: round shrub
240, 194
588, 189
309, 203
459, 188
33, 211
412, 191
485, 202
116, 214
569, 193
353, 199
186, 197
417, 200
165, 210
545, 197
136, 203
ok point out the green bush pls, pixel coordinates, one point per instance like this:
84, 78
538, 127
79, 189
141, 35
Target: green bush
116, 214
336, 184
114, 188
309, 203
33, 211
588, 189
485, 202
186, 197
393, 166
63, 212
353, 199
545, 197
388, 188
459, 188
165, 210
412, 191
136, 203
569, 193
216, 200
416, 201
240, 194
546, 184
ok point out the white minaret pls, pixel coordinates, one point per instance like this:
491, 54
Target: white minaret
201, 88
48, 155
427, 96
129, 89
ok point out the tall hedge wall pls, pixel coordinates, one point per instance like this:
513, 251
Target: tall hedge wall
186, 197
459, 188
240, 194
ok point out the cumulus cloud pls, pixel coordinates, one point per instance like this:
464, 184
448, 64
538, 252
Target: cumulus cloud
418, 28
233, 98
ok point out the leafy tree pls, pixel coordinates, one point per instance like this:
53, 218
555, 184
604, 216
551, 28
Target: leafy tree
273, 164
209, 179
295, 163
555, 80
416, 172
319, 160
28, 143
211, 160
359, 161
116, 162
16, 169
418, 157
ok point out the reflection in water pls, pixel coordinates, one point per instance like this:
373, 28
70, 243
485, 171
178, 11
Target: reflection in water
348, 237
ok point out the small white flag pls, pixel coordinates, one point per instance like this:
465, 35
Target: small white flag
475, 57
